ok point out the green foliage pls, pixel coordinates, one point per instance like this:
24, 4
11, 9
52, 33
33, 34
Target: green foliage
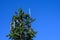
21, 27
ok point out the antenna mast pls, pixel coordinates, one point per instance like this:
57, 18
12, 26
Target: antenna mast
29, 12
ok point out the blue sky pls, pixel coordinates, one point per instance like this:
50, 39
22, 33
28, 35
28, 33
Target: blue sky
46, 12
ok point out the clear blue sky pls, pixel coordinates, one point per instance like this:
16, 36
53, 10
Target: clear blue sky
46, 12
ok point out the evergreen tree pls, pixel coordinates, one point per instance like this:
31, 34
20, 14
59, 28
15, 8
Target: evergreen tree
21, 27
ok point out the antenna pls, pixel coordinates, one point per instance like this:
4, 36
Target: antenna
29, 12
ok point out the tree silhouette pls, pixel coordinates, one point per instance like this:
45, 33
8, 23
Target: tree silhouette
21, 27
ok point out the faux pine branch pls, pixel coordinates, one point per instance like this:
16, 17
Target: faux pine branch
21, 27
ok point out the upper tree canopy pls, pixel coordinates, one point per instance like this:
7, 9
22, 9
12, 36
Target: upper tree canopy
21, 26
